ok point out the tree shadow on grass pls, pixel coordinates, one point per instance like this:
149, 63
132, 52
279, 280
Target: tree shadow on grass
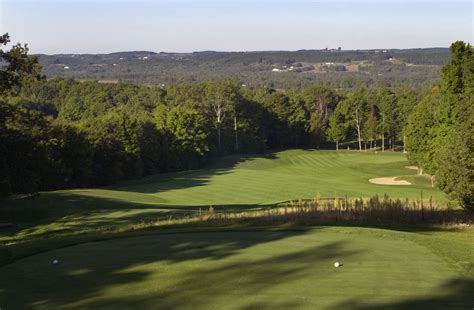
186, 179
75, 209
454, 294
125, 195
99, 213
237, 282
87, 270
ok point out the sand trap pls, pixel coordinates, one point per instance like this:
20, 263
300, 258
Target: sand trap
412, 167
389, 181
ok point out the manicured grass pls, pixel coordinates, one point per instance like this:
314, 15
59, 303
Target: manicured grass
249, 270
232, 183
109, 259
278, 177
259, 180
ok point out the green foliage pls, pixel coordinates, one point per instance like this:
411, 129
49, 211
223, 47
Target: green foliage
455, 173
130, 131
63, 133
440, 128
188, 132
420, 134
17, 66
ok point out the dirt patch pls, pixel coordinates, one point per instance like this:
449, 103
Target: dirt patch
389, 181
412, 167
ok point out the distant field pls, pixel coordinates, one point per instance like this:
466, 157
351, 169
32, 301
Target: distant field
255, 69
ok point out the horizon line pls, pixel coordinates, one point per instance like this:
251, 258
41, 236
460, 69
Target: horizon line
245, 51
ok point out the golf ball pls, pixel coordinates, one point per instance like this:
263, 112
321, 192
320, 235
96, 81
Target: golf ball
55, 262
336, 264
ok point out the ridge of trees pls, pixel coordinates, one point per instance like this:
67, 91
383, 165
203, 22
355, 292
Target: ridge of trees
348, 69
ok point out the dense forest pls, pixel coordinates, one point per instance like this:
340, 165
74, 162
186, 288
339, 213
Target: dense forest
274, 69
62, 133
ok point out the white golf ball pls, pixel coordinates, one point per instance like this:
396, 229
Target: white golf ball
336, 264
55, 262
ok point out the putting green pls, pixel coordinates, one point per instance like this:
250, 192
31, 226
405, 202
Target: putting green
241, 270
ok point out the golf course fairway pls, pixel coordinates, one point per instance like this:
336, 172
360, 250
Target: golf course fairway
245, 270
257, 180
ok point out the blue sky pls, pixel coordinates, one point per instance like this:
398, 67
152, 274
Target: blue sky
102, 26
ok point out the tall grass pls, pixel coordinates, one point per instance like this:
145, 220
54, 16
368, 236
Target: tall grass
355, 211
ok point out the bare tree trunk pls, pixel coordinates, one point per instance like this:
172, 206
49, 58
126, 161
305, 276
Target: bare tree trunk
404, 145
358, 131
337, 145
383, 133
219, 117
219, 136
236, 136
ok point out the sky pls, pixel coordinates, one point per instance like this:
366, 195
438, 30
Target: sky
104, 26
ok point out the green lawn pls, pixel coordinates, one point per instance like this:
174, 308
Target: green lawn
257, 180
232, 183
249, 270
274, 178
109, 260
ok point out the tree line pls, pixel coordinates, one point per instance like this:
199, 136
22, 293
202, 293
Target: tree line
62, 133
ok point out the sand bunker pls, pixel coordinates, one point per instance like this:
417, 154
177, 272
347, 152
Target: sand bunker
389, 181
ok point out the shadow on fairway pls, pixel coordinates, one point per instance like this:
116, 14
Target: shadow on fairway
86, 270
100, 213
455, 294
232, 282
56, 204
186, 179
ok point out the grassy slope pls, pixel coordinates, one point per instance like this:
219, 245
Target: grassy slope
249, 270
234, 182
293, 174
278, 177
245, 268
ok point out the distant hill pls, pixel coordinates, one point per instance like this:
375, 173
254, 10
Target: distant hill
279, 69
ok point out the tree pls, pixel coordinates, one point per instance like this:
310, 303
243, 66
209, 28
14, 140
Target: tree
455, 123
354, 110
387, 109
337, 128
20, 67
407, 98
222, 96
188, 129
455, 174
320, 99
439, 131
420, 133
